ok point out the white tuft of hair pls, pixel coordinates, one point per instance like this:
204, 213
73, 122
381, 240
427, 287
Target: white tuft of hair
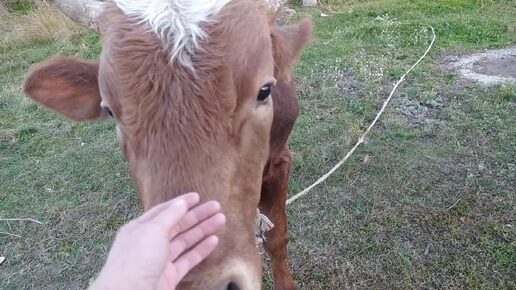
177, 23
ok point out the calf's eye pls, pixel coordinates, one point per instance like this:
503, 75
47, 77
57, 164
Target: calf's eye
107, 110
264, 92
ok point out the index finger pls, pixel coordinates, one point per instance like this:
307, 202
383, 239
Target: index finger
188, 200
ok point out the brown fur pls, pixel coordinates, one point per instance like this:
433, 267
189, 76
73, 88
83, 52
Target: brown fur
202, 130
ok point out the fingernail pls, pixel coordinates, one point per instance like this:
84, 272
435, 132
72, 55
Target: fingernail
213, 239
194, 194
180, 202
216, 204
222, 217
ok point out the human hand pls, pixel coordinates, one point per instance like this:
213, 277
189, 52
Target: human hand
155, 250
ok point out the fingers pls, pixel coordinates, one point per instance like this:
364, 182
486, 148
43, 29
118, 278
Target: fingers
195, 216
170, 210
170, 216
191, 237
192, 258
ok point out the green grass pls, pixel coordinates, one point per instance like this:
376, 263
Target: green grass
426, 203
18, 6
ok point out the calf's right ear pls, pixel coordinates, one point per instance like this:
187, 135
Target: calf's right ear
67, 86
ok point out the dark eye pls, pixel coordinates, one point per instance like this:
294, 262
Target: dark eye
264, 92
107, 110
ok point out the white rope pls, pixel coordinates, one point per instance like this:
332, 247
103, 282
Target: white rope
263, 225
361, 139
22, 220
10, 234
16, 220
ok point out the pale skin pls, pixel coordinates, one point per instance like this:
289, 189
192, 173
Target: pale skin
157, 249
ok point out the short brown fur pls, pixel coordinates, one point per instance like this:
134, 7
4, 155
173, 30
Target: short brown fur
201, 130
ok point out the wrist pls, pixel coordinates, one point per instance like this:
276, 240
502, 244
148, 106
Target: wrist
115, 283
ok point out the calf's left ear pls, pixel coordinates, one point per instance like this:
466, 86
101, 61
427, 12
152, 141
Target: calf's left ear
66, 86
287, 44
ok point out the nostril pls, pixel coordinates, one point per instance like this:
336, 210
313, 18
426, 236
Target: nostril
232, 286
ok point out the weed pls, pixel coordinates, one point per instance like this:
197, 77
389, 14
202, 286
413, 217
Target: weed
41, 23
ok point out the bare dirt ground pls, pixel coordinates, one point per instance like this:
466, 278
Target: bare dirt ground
488, 67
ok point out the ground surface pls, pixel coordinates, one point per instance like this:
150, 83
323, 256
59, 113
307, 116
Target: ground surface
426, 203
490, 67
503, 66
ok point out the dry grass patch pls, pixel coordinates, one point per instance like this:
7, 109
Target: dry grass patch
3, 10
42, 23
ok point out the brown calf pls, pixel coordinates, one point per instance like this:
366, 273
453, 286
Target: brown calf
203, 99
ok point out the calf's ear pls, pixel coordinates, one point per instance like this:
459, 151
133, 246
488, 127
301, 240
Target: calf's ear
287, 44
67, 86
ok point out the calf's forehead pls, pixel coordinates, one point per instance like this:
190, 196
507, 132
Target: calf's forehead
180, 24
245, 31
135, 67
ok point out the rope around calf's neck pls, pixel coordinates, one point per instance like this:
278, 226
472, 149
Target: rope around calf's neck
361, 139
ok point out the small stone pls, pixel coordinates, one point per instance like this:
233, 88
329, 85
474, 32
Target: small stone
309, 2
427, 249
